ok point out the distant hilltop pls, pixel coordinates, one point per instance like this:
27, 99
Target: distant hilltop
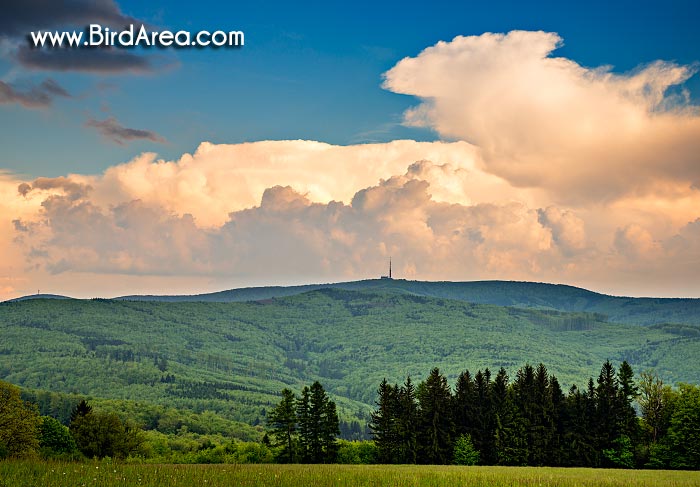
559, 297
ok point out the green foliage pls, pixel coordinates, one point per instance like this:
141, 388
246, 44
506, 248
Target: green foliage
100, 434
528, 422
216, 368
583, 307
54, 438
465, 453
283, 420
684, 432
620, 455
357, 452
318, 425
435, 420
19, 423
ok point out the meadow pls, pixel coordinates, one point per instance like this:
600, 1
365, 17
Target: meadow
18, 473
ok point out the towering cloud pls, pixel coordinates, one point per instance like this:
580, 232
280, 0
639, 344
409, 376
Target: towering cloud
584, 135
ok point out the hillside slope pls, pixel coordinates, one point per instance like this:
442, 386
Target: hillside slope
234, 358
641, 311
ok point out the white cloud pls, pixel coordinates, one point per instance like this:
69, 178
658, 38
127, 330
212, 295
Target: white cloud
584, 135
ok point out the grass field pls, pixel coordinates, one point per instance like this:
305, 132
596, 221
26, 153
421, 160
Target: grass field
54, 474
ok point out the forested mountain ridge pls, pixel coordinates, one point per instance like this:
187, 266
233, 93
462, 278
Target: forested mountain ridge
558, 297
232, 359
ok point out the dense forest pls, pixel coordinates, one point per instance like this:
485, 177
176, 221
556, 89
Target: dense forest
556, 297
192, 374
530, 421
486, 420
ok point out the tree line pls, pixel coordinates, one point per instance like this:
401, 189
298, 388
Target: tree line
89, 433
614, 422
530, 421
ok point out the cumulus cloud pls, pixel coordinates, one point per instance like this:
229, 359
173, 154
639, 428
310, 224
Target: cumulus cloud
219, 178
287, 234
32, 96
111, 129
584, 135
300, 211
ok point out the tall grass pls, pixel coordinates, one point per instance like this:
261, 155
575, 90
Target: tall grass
105, 474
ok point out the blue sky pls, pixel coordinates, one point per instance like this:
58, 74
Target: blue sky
310, 70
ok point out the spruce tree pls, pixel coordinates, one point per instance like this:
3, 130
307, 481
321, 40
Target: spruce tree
607, 407
465, 405
524, 396
436, 421
407, 423
384, 423
304, 422
558, 405
283, 420
628, 392
484, 435
318, 425
541, 421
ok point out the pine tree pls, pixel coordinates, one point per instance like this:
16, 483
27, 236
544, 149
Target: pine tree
384, 423
407, 423
318, 425
628, 392
283, 420
330, 432
464, 404
541, 421
80, 409
304, 422
484, 434
607, 407
558, 406
510, 447
436, 421
524, 396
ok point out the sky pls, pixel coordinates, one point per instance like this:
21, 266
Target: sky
537, 141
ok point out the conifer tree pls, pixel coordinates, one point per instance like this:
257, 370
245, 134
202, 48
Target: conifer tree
318, 425
465, 405
304, 423
407, 423
510, 447
628, 392
283, 420
542, 420
558, 405
383, 423
485, 420
607, 407
436, 421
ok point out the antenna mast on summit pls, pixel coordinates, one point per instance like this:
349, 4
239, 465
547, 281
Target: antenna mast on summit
389, 267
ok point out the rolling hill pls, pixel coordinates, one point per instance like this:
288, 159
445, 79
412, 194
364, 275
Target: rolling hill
641, 311
230, 359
